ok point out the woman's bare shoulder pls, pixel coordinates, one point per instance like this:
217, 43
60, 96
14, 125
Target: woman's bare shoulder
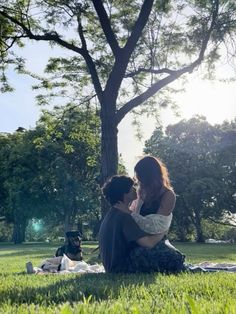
168, 193
167, 202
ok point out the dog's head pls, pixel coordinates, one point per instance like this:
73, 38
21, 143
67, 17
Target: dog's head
73, 238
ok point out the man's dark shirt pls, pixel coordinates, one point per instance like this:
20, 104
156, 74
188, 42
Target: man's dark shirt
117, 237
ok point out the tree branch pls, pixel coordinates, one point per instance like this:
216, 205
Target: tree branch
90, 63
106, 26
153, 89
46, 37
81, 33
222, 222
56, 38
13, 38
122, 59
139, 26
215, 11
150, 70
135, 102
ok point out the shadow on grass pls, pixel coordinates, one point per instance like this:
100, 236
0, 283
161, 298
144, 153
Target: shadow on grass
42, 254
99, 286
45, 252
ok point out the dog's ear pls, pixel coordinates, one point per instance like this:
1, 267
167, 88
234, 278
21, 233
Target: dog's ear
73, 234
60, 251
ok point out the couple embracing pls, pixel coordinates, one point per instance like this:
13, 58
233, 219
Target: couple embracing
132, 236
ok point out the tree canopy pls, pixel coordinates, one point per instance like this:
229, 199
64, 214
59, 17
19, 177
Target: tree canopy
201, 161
50, 172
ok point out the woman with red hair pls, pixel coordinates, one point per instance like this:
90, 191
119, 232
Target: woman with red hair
152, 211
156, 195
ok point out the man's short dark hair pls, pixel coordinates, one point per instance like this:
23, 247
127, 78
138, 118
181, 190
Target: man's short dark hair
115, 188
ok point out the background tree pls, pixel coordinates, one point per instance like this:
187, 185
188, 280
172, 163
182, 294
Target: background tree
122, 53
50, 172
19, 169
200, 158
226, 153
3, 143
69, 147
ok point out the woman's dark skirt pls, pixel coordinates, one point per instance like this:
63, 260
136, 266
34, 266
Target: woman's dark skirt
163, 258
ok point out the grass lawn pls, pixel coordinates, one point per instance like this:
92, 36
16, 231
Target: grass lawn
105, 293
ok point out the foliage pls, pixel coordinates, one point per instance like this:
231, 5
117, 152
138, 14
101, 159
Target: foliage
212, 230
5, 231
231, 234
50, 172
69, 159
123, 54
3, 142
106, 293
18, 162
200, 159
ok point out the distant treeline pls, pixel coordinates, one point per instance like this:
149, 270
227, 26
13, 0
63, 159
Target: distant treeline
49, 177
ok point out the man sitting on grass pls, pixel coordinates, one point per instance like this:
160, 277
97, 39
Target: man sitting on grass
124, 247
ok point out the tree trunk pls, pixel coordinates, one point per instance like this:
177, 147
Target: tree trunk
198, 226
181, 232
80, 225
19, 230
67, 221
181, 219
109, 150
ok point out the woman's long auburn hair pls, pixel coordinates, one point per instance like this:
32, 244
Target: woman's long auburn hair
153, 177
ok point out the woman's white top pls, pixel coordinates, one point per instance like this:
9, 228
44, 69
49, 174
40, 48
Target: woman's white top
153, 223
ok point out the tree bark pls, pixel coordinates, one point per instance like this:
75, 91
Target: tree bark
19, 230
198, 226
109, 146
181, 233
67, 222
109, 151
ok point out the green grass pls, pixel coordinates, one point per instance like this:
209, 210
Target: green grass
105, 293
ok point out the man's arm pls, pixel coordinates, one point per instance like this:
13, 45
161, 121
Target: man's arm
150, 241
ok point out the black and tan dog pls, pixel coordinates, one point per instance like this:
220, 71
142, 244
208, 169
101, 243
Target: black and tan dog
72, 246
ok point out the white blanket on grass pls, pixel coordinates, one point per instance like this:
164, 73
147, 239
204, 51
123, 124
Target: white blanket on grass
214, 267
67, 266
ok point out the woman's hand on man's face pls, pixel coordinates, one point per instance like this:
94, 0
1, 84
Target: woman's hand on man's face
141, 194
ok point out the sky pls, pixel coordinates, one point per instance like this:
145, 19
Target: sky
215, 100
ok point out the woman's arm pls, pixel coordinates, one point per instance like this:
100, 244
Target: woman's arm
150, 241
153, 223
136, 205
167, 203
